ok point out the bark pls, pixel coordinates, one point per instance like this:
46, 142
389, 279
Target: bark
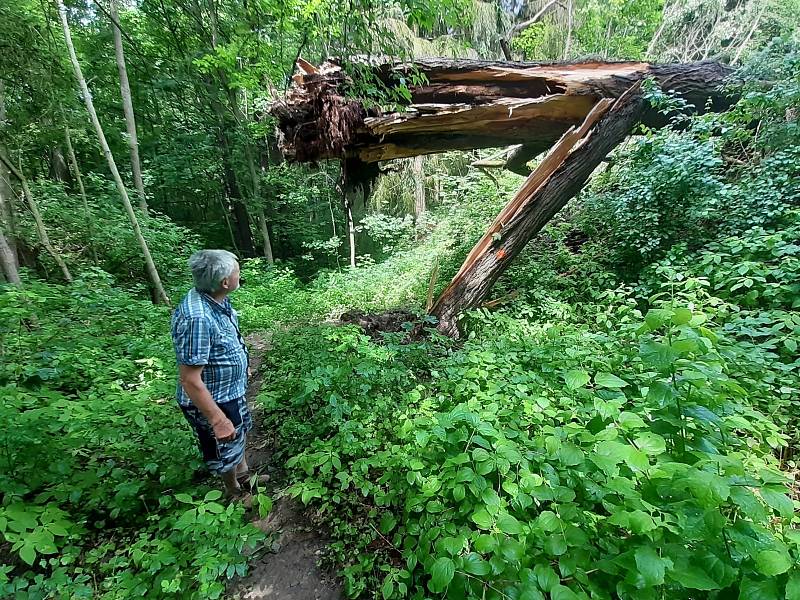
244, 235
8, 260
568, 43
557, 179
256, 190
127, 107
747, 39
657, 35
58, 170
468, 104
87, 212
349, 200
150, 266
419, 188
262, 224
241, 217
7, 221
33, 206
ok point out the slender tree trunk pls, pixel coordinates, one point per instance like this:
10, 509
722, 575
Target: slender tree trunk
226, 211
41, 230
351, 229
58, 166
7, 220
657, 35
150, 266
87, 212
747, 39
262, 224
568, 43
8, 260
548, 189
256, 187
127, 106
418, 169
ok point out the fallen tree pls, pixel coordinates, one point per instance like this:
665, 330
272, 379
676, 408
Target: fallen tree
586, 109
468, 104
555, 181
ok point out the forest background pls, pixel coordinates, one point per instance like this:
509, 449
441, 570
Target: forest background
623, 423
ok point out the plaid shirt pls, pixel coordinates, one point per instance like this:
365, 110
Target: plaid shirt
206, 333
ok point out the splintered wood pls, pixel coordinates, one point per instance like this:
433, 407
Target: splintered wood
546, 191
467, 104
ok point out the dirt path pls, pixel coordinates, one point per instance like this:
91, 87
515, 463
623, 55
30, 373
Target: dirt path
290, 572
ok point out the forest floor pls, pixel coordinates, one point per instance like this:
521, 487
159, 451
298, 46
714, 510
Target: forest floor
290, 571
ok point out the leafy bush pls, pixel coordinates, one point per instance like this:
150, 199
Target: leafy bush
542, 458
94, 451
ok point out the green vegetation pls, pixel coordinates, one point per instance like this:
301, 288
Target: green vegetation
624, 423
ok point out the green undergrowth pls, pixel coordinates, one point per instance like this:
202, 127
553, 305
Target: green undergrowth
625, 426
634, 454
97, 461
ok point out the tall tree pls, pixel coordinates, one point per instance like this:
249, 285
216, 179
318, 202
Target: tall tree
33, 206
6, 203
418, 169
76, 173
127, 107
150, 266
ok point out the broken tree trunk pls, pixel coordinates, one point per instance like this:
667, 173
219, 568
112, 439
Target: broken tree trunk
557, 179
467, 104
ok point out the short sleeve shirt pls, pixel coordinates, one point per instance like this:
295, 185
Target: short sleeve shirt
206, 332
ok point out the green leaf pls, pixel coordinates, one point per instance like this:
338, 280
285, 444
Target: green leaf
793, 587
482, 519
607, 380
629, 421
555, 544
453, 545
651, 566
546, 577
509, 524
779, 501
772, 562
759, 590
485, 543
139, 420
693, 578
681, 316
656, 317
475, 565
212, 495
459, 492
387, 589
28, 553
576, 378
561, 592
651, 443
657, 355
387, 523
185, 498
548, 520
442, 573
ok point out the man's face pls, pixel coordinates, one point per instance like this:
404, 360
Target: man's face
231, 284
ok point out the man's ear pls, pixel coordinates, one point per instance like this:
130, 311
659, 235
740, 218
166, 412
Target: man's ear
224, 283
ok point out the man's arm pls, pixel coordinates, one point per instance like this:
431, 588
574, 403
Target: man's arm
198, 393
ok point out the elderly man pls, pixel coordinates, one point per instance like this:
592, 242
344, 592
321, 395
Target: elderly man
213, 367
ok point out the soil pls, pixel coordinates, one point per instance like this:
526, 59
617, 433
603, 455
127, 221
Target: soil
290, 571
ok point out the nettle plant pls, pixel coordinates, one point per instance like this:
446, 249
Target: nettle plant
553, 459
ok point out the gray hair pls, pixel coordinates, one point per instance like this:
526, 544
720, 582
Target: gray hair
210, 267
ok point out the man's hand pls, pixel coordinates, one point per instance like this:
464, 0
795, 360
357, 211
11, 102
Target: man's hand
224, 430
